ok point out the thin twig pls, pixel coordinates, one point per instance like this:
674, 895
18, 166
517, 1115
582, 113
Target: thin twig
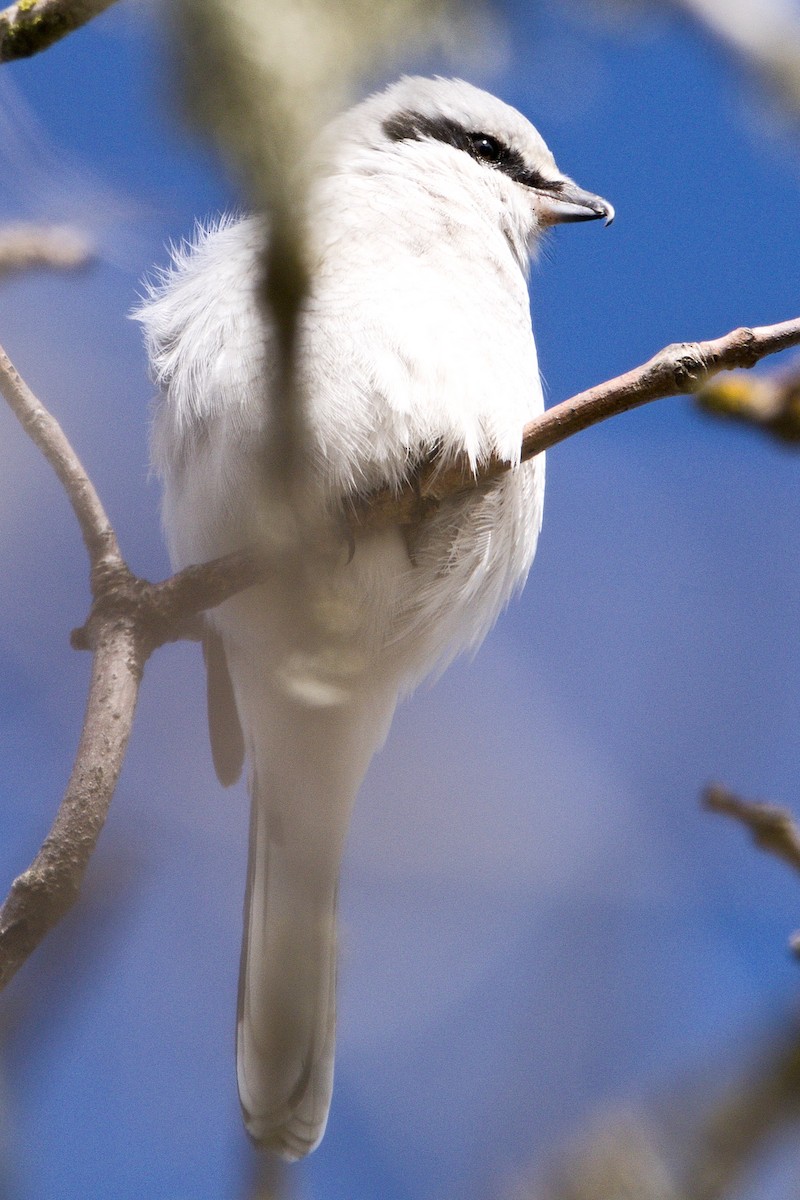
129, 618
34, 25
721, 1134
25, 246
618, 1161
774, 829
196, 589
677, 369
45, 431
673, 371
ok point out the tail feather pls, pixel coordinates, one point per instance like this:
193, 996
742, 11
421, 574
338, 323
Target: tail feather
287, 994
306, 767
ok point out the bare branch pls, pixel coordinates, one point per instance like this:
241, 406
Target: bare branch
746, 1116
43, 894
46, 891
196, 589
166, 612
774, 829
34, 25
677, 369
673, 371
25, 246
130, 617
770, 403
42, 427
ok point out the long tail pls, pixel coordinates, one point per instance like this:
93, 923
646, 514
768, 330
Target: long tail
306, 767
287, 989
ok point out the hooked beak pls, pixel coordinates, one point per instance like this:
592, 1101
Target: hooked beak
564, 201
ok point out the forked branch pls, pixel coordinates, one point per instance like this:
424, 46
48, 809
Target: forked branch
131, 617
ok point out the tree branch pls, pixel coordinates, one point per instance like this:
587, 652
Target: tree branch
43, 894
763, 34
673, 371
45, 431
33, 25
167, 611
130, 616
46, 891
704, 1145
774, 829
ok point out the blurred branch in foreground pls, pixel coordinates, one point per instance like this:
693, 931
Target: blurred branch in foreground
741, 1123
770, 403
617, 1161
774, 829
261, 81
721, 1139
34, 25
23, 247
763, 34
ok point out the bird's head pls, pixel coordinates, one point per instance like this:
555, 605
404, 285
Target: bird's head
463, 143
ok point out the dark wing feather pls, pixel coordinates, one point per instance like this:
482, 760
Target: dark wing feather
225, 730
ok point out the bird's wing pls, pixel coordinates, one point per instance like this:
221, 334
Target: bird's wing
224, 727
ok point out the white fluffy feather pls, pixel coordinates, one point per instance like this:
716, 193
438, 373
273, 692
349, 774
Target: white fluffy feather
416, 334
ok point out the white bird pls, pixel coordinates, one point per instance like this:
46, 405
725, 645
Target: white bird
416, 337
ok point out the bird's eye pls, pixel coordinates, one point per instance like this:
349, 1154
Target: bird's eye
486, 147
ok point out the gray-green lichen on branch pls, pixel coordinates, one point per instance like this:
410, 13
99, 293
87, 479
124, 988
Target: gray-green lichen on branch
32, 25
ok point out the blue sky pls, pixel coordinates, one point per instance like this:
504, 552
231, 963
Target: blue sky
538, 924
